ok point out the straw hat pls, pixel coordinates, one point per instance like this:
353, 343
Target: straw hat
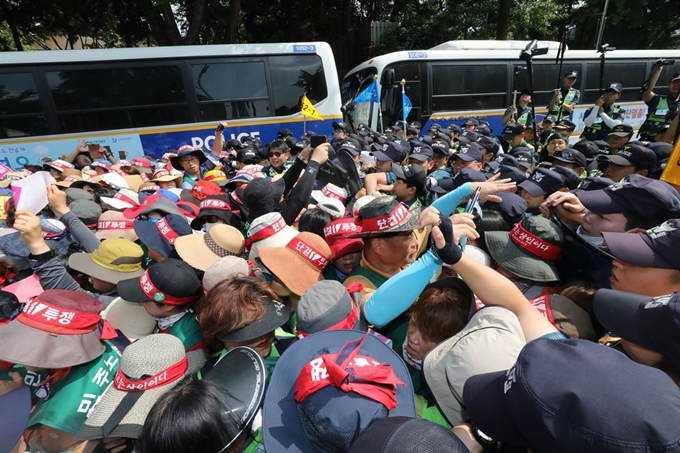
123, 199
166, 176
150, 366
202, 249
130, 318
224, 268
300, 263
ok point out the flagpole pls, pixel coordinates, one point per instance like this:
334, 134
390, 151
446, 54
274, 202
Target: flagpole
380, 117
304, 124
403, 92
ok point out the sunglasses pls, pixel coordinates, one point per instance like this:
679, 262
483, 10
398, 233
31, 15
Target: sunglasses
275, 154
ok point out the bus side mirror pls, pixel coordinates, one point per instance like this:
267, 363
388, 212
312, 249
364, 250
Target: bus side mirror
393, 100
387, 78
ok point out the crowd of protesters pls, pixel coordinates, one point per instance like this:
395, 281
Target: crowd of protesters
440, 290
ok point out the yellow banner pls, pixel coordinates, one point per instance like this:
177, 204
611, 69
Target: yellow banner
308, 109
671, 173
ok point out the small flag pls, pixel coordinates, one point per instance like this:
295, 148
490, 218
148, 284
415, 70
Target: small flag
370, 94
407, 105
671, 173
308, 109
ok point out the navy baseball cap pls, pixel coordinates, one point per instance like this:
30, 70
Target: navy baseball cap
675, 77
657, 247
306, 410
550, 119
234, 143
594, 183
342, 126
413, 175
483, 130
615, 87
571, 75
399, 126
634, 154
467, 137
390, 151
622, 130
571, 178
515, 174
488, 143
421, 152
512, 207
650, 322
469, 154
524, 156
350, 146
559, 396
542, 182
565, 124
504, 160
441, 146
416, 124
471, 122
511, 130
662, 150
446, 185
454, 128
588, 148
571, 156
435, 127
649, 198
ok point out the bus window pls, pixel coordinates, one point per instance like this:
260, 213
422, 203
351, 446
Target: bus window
117, 98
409, 71
21, 112
468, 87
231, 90
630, 75
354, 85
292, 76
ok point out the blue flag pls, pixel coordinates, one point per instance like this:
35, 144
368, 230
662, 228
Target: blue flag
370, 94
407, 105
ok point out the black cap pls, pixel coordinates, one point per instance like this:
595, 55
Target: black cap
543, 182
565, 124
571, 178
416, 124
570, 155
435, 127
465, 175
622, 130
483, 130
489, 144
342, 125
233, 143
283, 133
410, 130
550, 119
616, 87
454, 128
421, 151
467, 137
440, 146
515, 174
171, 279
504, 160
675, 77
413, 175
350, 146
469, 154
512, 207
471, 122
595, 183
634, 154
511, 130
589, 149
524, 156
245, 154
662, 150
571, 74
399, 126
390, 151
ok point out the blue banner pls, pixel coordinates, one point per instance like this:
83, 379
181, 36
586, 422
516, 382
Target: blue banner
407, 105
370, 94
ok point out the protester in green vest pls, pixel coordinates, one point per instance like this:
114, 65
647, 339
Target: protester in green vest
564, 100
660, 109
216, 412
194, 163
604, 116
61, 331
520, 113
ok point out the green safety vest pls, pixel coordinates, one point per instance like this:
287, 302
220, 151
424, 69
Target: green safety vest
187, 330
571, 94
72, 398
598, 130
658, 116
374, 278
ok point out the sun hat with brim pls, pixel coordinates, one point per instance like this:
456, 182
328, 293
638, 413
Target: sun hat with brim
269, 230
114, 260
407, 435
656, 247
113, 224
87, 212
243, 178
216, 176
59, 165
300, 263
490, 341
130, 318
360, 203
327, 305
650, 322
153, 203
385, 215
56, 329
162, 235
529, 250
168, 282
148, 368
68, 181
276, 315
330, 206
224, 268
305, 410
15, 409
166, 176
215, 205
534, 403
202, 249
187, 150
330, 191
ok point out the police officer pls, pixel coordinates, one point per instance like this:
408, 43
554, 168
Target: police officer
564, 100
604, 116
661, 109
520, 113
547, 129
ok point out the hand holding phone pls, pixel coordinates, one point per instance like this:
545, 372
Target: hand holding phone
317, 140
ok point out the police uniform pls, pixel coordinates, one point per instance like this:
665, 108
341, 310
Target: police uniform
599, 129
566, 96
522, 115
661, 110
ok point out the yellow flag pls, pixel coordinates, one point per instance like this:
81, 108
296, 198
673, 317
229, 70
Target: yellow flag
308, 109
671, 173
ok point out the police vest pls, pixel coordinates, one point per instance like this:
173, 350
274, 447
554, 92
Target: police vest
571, 94
659, 116
523, 118
598, 130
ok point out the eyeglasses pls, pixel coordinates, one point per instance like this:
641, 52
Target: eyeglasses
188, 160
275, 154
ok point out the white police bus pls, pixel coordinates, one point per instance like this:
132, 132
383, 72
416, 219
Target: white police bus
476, 79
153, 100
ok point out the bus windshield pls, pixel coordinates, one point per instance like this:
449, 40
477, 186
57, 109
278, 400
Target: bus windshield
351, 87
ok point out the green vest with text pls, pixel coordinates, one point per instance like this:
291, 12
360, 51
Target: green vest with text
568, 99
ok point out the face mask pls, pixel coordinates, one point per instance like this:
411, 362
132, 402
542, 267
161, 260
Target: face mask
207, 226
166, 323
595, 241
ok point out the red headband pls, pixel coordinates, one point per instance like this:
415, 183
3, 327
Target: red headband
266, 229
156, 295
122, 197
168, 375
72, 179
144, 177
357, 373
308, 253
166, 231
115, 225
535, 245
342, 228
348, 323
161, 173
382, 223
50, 318
215, 204
328, 193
